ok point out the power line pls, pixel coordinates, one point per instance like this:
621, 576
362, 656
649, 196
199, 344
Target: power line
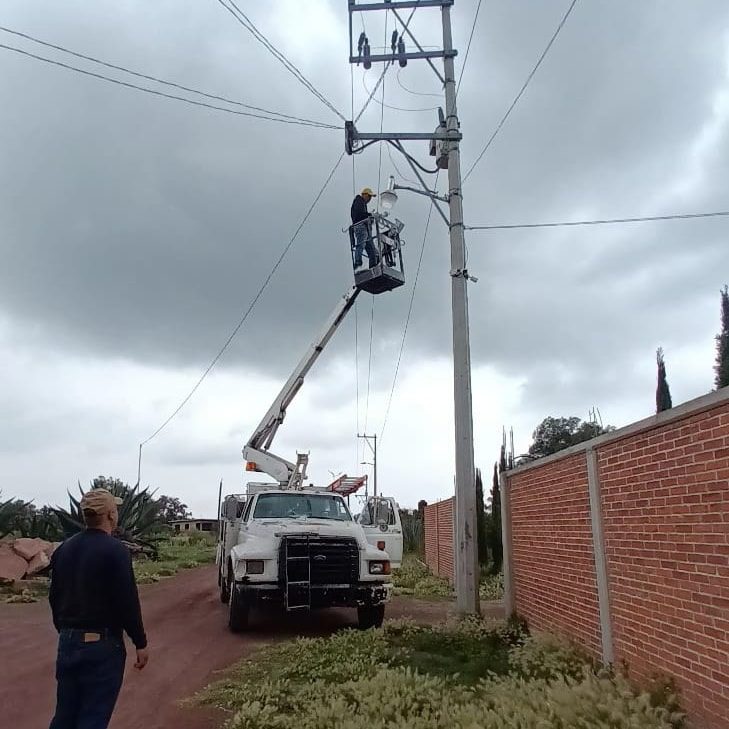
468, 47
398, 145
391, 106
607, 221
369, 365
410, 91
382, 121
249, 25
165, 95
522, 90
250, 308
407, 318
397, 169
157, 79
356, 365
373, 92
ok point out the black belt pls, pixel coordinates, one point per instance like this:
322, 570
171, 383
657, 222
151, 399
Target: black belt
103, 633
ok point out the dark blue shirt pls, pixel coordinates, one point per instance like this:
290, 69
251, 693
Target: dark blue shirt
93, 586
359, 210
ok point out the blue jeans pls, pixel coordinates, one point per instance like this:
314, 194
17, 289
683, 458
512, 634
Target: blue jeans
89, 677
363, 241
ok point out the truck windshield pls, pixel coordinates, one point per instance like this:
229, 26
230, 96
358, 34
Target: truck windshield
314, 506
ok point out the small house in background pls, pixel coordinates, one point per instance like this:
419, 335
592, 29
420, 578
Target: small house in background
194, 525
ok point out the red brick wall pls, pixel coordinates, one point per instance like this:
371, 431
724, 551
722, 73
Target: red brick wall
554, 573
665, 501
664, 488
438, 526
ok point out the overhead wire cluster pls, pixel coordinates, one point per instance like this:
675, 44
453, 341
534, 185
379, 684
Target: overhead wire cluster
225, 104
240, 108
232, 7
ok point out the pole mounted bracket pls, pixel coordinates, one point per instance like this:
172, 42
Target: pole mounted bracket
463, 273
352, 136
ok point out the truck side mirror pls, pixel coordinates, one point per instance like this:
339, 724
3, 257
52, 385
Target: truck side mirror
231, 509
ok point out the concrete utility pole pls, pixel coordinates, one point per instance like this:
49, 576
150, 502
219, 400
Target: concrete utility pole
371, 441
466, 556
466, 550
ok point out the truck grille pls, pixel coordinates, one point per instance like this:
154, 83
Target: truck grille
319, 560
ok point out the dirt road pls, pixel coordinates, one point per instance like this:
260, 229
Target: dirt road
189, 643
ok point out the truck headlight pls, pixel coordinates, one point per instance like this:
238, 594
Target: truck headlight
254, 566
380, 568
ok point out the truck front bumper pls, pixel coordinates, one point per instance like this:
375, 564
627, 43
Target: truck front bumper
361, 594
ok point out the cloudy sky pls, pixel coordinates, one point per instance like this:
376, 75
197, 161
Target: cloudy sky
135, 230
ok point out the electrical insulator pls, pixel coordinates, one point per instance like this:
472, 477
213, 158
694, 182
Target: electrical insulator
401, 50
367, 63
393, 42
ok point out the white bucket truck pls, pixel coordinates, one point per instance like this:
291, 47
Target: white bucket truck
287, 543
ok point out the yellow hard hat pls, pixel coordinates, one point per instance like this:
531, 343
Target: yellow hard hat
368, 191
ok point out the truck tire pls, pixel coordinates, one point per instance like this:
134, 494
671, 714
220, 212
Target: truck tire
224, 588
370, 617
238, 611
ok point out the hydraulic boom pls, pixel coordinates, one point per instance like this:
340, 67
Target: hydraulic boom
256, 450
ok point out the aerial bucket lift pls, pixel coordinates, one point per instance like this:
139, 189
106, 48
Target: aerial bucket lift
386, 275
389, 272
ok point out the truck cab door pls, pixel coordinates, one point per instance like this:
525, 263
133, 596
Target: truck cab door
380, 519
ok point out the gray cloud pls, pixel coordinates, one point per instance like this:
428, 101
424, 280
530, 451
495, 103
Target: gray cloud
139, 229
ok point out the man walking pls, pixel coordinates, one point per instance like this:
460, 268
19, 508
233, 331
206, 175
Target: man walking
94, 600
361, 229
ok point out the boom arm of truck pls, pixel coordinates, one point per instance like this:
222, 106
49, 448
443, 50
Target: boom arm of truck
256, 449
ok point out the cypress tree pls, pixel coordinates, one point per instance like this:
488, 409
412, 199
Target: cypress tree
497, 548
481, 521
663, 393
721, 368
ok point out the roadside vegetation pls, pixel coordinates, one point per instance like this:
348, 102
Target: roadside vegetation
143, 516
415, 579
175, 554
456, 676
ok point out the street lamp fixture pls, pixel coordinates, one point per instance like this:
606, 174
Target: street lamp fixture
388, 198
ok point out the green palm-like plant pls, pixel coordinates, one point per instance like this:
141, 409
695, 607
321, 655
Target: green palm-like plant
138, 515
42, 523
10, 513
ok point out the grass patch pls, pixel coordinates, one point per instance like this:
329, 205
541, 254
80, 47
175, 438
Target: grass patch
458, 675
415, 579
25, 592
491, 587
175, 554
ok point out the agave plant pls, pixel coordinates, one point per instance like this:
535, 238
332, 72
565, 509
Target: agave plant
10, 513
42, 523
138, 515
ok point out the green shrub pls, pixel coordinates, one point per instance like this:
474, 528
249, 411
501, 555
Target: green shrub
414, 578
491, 587
374, 679
173, 555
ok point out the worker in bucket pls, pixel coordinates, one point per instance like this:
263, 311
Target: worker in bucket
361, 230
94, 601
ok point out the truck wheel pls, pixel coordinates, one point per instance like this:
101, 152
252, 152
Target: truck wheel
238, 611
224, 588
371, 617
